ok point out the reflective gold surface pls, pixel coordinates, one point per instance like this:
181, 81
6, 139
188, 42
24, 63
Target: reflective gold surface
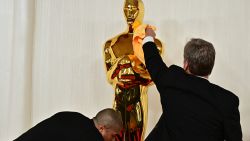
129, 76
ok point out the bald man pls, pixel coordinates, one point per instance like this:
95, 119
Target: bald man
73, 126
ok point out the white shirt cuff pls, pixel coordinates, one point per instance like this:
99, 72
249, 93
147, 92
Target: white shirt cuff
147, 39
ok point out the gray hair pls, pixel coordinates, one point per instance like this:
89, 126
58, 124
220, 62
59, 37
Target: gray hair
200, 56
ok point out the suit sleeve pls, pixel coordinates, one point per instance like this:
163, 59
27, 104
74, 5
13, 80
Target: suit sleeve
154, 63
232, 127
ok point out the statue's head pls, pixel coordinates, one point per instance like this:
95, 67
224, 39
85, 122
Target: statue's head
133, 11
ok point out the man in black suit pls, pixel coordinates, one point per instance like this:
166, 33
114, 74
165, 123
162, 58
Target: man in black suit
193, 108
73, 126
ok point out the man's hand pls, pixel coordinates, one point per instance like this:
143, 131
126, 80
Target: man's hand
149, 32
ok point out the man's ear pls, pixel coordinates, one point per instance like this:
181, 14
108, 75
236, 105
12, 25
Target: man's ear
100, 127
185, 65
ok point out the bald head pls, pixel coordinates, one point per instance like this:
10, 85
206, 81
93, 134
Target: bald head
109, 118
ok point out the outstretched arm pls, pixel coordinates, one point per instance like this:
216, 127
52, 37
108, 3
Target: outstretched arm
154, 63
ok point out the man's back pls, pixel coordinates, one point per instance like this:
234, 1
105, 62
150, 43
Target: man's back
63, 126
193, 108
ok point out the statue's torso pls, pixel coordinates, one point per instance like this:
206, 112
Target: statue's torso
123, 45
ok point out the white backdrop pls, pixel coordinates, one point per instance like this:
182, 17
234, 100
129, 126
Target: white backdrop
51, 54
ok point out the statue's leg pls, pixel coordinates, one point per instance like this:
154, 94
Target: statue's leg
127, 101
136, 122
121, 106
135, 115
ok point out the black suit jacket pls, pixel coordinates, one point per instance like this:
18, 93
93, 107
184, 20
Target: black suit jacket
63, 126
193, 108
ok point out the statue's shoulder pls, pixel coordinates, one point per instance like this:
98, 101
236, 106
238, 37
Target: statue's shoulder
158, 43
115, 39
107, 44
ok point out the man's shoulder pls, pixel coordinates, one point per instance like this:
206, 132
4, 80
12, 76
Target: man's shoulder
225, 94
176, 69
69, 115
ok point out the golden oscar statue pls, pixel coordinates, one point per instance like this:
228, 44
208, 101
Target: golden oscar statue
129, 76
